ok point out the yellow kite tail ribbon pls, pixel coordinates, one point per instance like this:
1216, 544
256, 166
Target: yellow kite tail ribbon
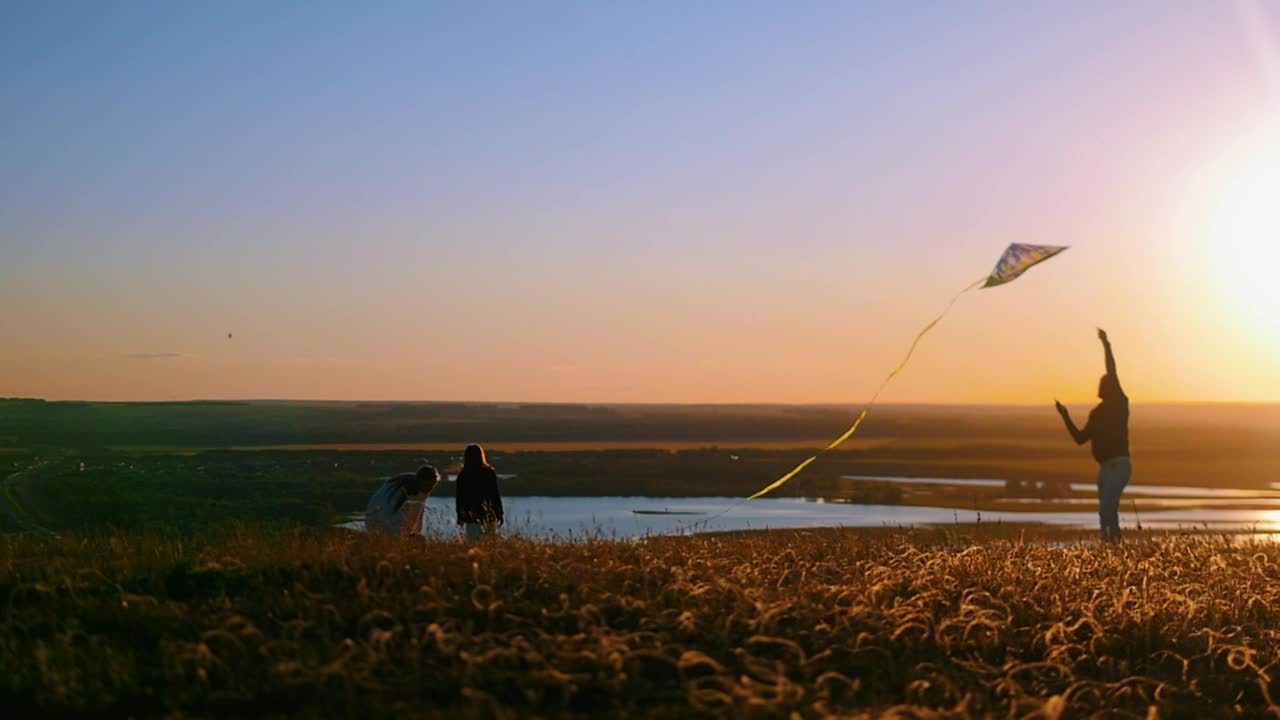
862, 415
1016, 260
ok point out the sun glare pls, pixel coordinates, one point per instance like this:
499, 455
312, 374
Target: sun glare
1243, 238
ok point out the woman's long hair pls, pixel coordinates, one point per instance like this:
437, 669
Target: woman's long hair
473, 459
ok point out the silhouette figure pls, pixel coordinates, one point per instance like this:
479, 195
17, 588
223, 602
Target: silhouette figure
390, 502
478, 501
1108, 430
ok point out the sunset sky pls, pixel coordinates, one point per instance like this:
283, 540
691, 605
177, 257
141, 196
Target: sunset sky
637, 202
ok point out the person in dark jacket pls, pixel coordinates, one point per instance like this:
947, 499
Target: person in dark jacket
1108, 430
478, 501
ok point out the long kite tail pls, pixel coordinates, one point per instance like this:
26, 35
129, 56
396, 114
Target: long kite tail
863, 415
857, 422
1016, 260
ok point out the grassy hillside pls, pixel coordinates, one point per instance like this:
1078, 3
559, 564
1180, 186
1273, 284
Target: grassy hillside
330, 624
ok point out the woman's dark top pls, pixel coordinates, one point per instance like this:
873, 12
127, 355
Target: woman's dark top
1108, 425
1108, 428
477, 498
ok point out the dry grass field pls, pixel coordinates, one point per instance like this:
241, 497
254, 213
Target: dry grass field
967, 622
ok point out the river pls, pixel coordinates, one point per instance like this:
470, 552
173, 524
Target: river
572, 518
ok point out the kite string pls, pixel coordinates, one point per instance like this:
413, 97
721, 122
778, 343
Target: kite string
857, 421
915, 343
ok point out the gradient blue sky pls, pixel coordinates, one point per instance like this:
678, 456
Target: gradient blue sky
597, 201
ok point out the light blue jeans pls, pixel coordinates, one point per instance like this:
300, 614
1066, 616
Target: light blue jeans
477, 531
1113, 476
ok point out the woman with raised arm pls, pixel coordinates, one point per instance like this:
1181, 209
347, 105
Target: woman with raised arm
478, 500
1108, 430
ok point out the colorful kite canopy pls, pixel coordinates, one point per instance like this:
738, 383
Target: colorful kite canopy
1018, 259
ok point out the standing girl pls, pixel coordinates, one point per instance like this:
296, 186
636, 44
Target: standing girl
478, 502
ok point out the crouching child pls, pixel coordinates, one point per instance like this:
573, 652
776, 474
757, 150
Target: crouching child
394, 509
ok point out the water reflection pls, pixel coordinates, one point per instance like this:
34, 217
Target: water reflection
1133, 489
572, 518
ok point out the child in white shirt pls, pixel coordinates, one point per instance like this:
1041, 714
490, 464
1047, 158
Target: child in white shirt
390, 503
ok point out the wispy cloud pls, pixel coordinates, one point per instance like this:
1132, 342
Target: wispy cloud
153, 356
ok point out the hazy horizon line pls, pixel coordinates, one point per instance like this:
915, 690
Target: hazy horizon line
568, 403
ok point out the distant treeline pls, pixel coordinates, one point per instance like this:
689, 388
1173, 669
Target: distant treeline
211, 424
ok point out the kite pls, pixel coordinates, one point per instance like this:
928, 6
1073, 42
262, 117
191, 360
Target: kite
1015, 261
1018, 259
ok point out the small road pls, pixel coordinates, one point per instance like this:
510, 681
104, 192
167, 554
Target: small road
11, 508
